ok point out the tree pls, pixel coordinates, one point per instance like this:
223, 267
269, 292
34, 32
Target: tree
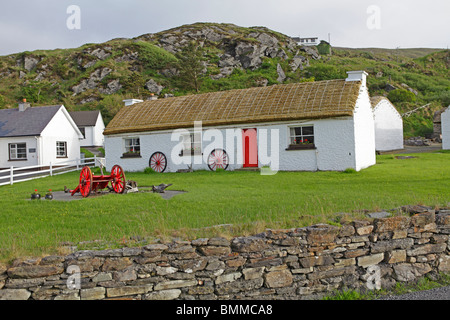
134, 83
190, 66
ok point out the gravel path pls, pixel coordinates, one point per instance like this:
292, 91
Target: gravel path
432, 294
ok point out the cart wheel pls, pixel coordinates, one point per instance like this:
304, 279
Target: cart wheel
218, 158
158, 162
118, 179
85, 182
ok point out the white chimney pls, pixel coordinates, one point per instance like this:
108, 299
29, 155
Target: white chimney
357, 76
23, 105
129, 102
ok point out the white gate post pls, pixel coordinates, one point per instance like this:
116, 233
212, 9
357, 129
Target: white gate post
11, 179
51, 170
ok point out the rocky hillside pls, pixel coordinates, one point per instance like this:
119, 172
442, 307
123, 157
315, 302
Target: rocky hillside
206, 57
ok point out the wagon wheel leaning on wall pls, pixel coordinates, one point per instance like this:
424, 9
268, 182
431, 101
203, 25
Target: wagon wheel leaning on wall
218, 159
158, 162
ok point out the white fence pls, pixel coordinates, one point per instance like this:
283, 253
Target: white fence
19, 174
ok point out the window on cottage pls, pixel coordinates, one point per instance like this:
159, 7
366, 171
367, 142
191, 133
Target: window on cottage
83, 132
132, 146
301, 137
61, 149
192, 144
17, 151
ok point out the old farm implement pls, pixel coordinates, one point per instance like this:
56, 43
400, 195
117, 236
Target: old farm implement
90, 183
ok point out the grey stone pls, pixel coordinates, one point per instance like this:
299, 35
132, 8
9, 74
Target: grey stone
96, 293
152, 86
163, 295
14, 294
281, 74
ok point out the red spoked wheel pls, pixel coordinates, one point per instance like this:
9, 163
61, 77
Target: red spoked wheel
118, 179
218, 158
85, 182
158, 162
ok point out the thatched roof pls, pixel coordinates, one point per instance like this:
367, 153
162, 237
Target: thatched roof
377, 99
308, 100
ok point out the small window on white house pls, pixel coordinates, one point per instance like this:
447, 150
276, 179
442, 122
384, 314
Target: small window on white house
301, 137
192, 144
83, 132
132, 146
17, 151
61, 149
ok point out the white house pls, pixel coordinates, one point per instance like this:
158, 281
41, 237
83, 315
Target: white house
313, 41
445, 125
91, 125
388, 125
37, 136
324, 125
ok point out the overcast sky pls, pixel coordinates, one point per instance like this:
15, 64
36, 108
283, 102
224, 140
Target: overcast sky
27, 25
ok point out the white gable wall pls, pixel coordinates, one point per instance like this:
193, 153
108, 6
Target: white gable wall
364, 131
59, 129
445, 124
93, 135
388, 127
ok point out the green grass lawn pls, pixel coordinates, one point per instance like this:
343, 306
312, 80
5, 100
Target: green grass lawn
247, 200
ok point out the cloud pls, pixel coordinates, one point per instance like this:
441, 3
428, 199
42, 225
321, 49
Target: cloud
31, 25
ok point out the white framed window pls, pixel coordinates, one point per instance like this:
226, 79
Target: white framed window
61, 149
18, 151
301, 137
192, 144
132, 146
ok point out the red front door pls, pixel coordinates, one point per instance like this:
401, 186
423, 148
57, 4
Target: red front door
250, 146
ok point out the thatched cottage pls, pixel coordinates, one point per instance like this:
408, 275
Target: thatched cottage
323, 125
388, 125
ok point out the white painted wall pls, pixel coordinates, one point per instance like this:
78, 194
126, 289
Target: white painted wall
93, 136
334, 141
364, 128
445, 123
32, 158
59, 129
388, 127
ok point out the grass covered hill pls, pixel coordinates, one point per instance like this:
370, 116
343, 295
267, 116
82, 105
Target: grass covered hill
206, 57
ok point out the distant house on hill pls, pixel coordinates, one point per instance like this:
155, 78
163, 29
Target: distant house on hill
445, 125
388, 125
91, 126
313, 41
310, 126
37, 136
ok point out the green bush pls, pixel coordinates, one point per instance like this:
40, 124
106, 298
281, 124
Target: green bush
401, 95
149, 170
153, 56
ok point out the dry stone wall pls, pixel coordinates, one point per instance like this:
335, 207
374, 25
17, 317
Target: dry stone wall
301, 263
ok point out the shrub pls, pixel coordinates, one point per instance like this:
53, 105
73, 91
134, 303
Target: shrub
401, 95
149, 170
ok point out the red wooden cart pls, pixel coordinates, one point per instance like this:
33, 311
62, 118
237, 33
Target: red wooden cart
89, 183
